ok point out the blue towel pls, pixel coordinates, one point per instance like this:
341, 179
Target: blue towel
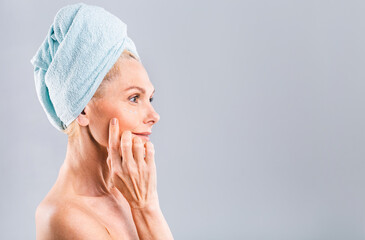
81, 46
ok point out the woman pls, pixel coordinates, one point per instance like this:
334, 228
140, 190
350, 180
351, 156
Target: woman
106, 187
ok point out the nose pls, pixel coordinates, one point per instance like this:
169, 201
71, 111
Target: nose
153, 116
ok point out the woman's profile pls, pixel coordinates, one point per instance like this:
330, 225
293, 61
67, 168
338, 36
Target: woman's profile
92, 85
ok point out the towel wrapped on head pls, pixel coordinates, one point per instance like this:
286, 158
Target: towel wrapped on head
81, 46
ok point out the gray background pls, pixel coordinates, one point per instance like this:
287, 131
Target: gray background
262, 116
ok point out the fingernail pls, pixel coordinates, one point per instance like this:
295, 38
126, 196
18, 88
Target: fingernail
114, 121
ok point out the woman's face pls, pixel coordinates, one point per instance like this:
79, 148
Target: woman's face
120, 99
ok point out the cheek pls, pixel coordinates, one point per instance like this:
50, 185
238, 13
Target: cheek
129, 111
104, 112
128, 118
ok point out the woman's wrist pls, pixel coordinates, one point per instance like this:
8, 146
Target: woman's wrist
150, 207
150, 222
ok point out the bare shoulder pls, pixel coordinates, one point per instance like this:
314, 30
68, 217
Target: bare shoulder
67, 221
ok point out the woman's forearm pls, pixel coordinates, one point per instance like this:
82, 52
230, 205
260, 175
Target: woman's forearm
151, 224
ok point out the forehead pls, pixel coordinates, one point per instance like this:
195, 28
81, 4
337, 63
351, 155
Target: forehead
132, 73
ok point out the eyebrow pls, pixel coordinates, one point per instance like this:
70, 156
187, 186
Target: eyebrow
139, 88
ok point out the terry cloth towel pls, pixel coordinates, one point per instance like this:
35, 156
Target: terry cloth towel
81, 46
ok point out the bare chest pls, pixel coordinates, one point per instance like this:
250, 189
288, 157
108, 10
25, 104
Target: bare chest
115, 216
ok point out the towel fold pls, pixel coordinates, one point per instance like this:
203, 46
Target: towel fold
81, 46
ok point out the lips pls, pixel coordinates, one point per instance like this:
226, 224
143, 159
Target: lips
143, 135
146, 134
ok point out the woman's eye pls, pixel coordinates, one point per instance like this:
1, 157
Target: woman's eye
137, 96
134, 97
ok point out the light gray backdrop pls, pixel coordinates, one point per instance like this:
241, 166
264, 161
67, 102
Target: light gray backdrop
262, 115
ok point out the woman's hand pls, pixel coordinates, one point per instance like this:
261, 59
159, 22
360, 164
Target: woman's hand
132, 174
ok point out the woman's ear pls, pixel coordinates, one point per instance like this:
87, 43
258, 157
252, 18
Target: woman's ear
83, 119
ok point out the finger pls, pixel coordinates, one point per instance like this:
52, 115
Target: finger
114, 144
150, 153
109, 163
108, 160
126, 145
138, 151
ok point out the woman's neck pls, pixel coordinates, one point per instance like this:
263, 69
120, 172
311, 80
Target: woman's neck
85, 171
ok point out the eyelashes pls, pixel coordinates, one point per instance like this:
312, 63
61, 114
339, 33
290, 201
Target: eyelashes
138, 96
